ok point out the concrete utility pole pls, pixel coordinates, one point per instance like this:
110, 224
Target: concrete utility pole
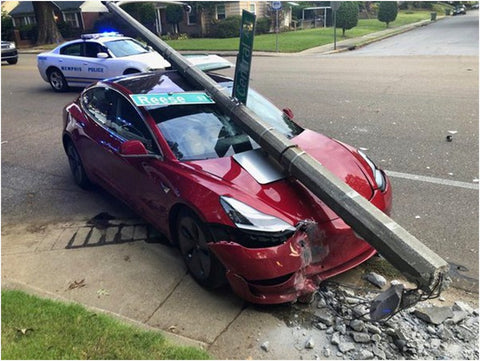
406, 253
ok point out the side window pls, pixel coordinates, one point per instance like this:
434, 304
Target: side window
92, 49
98, 104
72, 50
127, 123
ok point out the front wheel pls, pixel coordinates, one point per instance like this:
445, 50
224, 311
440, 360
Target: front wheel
57, 80
12, 61
193, 238
76, 166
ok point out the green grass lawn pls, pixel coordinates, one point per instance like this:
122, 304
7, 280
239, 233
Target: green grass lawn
35, 328
295, 41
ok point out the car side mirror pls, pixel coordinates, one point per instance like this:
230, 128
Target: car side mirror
133, 148
102, 55
289, 113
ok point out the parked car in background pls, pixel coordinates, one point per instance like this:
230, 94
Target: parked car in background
460, 10
168, 150
9, 52
94, 57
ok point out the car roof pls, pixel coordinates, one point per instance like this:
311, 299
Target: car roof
163, 81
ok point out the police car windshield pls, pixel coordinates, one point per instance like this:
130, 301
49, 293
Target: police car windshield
125, 47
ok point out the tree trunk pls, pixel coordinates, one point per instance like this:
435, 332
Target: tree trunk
47, 28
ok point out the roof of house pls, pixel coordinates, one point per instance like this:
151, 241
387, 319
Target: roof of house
26, 7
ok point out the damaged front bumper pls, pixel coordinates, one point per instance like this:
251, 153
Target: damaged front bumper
294, 269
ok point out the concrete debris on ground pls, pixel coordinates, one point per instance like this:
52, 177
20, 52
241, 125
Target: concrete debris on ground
423, 331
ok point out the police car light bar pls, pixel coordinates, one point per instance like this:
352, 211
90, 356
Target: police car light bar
101, 35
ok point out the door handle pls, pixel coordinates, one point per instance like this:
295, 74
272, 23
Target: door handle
109, 146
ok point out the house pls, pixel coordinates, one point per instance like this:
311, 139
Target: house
78, 14
199, 21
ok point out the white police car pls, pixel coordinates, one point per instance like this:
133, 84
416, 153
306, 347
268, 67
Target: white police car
95, 57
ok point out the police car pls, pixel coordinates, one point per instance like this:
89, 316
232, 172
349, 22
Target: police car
94, 57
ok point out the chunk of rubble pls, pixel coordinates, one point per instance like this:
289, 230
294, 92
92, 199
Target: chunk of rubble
364, 355
462, 306
324, 317
346, 346
376, 279
361, 337
265, 346
310, 344
434, 315
357, 325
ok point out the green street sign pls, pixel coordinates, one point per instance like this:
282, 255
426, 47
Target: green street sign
244, 57
146, 100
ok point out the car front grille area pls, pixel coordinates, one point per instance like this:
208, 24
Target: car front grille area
249, 239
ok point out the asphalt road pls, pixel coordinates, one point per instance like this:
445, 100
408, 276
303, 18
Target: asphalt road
397, 104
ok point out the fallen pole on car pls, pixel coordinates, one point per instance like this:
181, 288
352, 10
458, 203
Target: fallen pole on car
413, 259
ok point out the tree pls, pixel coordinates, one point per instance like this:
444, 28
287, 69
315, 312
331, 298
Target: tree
174, 14
387, 11
48, 32
7, 26
144, 12
347, 16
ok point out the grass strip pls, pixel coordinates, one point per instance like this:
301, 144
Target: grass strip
295, 41
35, 328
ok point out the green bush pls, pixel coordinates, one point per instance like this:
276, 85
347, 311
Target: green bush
263, 26
228, 28
387, 12
347, 16
29, 32
68, 31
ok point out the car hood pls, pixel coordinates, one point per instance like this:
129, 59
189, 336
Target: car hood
286, 195
152, 59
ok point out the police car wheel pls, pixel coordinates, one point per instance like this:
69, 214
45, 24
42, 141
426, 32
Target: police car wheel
57, 80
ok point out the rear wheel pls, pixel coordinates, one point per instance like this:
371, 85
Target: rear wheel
193, 237
76, 166
57, 80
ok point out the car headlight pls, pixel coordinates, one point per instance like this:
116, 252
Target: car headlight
379, 176
11, 45
249, 218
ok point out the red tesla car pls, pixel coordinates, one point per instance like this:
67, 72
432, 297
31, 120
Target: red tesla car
165, 148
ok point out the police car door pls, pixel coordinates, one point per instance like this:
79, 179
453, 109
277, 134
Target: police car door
95, 68
70, 63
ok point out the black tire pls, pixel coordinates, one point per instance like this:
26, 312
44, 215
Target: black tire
76, 167
12, 61
57, 80
193, 236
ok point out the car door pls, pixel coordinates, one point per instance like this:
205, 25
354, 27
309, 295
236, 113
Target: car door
70, 62
95, 68
143, 178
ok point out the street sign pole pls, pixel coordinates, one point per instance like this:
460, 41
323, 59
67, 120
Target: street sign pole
276, 31
244, 57
335, 5
277, 6
334, 29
